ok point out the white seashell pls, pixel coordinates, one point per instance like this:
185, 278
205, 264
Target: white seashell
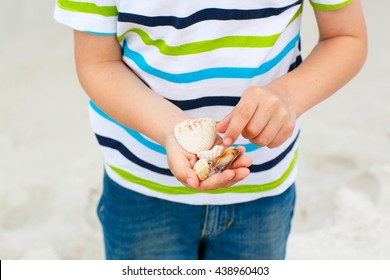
202, 168
195, 135
212, 154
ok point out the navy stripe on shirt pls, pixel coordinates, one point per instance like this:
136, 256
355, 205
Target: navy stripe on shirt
203, 15
116, 145
209, 101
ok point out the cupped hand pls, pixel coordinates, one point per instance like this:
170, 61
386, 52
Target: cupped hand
236, 172
181, 163
263, 115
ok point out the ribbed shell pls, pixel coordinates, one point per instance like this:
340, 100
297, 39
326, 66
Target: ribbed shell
202, 169
212, 154
196, 135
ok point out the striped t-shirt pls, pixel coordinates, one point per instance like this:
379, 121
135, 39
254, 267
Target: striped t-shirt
200, 55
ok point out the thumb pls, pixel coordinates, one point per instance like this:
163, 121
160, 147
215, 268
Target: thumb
187, 177
180, 164
191, 180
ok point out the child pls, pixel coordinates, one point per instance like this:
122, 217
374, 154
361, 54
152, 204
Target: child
147, 65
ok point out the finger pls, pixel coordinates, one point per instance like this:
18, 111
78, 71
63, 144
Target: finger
241, 115
191, 180
183, 171
285, 133
242, 161
187, 176
231, 175
241, 173
225, 179
218, 180
268, 134
257, 123
223, 125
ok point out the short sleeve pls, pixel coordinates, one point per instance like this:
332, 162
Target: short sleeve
329, 5
94, 16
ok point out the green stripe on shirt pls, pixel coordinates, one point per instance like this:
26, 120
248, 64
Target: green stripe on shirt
329, 7
209, 45
180, 190
205, 46
90, 8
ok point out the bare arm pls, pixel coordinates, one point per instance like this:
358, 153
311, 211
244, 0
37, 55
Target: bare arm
114, 88
266, 115
338, 57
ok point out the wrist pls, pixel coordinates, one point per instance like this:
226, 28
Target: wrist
168, 129
283, 90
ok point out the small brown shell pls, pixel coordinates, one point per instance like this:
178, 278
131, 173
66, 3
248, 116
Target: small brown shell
202, 169
224, 160
195, 135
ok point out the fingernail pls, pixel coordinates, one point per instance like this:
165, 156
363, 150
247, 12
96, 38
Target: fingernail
227, 141
191, 183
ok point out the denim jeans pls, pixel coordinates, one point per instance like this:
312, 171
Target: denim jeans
136, 226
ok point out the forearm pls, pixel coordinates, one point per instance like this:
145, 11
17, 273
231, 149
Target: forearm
331, 64
120, 94
115, 89
337, 58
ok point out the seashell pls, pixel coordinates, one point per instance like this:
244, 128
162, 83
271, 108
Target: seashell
224, 160
212, 154
202, 168
205, 168
195, 135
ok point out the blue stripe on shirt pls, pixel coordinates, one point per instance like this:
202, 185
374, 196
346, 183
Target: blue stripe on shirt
149, 144
209, 73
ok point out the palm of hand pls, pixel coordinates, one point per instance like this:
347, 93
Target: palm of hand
181, 163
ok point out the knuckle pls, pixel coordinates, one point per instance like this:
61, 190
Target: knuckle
274, 101
244, 113
279, 140
251, 90
262, 141
250, 131
284, 115
275, 144
290, 126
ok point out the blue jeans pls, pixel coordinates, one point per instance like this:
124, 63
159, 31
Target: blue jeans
136, 226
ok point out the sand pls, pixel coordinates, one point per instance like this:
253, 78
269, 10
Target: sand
51, 166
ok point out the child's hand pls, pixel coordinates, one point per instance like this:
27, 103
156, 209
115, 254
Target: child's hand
263, 116
181, 162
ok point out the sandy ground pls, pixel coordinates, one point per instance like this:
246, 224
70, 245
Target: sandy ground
50, 165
